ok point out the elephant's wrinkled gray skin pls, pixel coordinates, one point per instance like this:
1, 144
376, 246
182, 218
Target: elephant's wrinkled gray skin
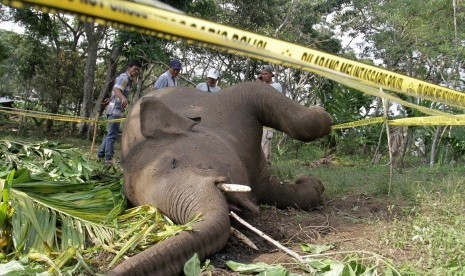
179, 143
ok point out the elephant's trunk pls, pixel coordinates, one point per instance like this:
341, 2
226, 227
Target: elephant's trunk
207, 237
275, 110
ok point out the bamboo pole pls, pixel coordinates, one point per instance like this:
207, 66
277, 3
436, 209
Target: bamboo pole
388, 133
94, 135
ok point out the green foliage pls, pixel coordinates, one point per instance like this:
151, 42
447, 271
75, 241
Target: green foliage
261, 268
33, 58
38, 23
406, 36
361, 140
11, 45
193, 266
5, 185
51, 160
3, 51
205, 8
434, 228
47, 211
353, 265
315, 248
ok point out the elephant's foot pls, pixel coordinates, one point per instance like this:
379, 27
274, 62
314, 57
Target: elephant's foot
306, 193
312, 189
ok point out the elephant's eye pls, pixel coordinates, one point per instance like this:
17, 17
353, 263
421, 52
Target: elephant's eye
196, 119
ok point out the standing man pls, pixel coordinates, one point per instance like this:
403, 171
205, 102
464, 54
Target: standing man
115, 109
210, 84
169, 78
266, 75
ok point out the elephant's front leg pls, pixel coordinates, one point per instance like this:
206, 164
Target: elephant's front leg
306, 193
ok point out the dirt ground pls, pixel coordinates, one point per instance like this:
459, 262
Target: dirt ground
348, 223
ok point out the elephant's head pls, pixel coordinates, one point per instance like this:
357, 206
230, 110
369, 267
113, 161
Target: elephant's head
180, 143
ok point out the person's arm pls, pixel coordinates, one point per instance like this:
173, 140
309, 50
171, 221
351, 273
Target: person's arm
119, 94
120, 84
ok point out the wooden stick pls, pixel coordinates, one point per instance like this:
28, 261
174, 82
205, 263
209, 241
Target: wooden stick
388, 133
95, 134
275, 243
243, 238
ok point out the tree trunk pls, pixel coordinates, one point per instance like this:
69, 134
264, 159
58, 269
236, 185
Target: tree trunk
109, 81
434, 145
405, 146
94, 35
109, 78
140, 81
248, 75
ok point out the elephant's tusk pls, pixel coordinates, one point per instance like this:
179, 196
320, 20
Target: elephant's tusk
228, 187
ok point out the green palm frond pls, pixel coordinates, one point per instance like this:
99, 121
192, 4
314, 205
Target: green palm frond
141, 227
47, 159
37, 216
54, 210
34, 227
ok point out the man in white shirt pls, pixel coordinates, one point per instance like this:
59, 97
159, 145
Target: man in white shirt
211, 84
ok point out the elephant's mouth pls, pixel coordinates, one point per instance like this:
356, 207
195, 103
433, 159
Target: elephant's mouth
234, 208
246, 208
238, 197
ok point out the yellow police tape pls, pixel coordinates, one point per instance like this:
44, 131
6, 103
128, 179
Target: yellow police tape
455, 120
174, 26
363, 122
55, 117
452, 120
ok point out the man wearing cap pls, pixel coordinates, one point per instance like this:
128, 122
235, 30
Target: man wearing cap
266, 75
210, 84
169, 78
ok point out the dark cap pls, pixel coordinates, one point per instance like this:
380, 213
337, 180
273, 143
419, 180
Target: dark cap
175, 64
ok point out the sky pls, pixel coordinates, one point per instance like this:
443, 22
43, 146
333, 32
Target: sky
10, 26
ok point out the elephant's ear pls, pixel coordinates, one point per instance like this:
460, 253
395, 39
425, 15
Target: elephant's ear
157, 119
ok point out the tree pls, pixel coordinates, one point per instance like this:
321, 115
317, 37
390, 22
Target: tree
415, 38
94, 34
56, 83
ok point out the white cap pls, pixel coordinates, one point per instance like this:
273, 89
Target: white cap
213, 73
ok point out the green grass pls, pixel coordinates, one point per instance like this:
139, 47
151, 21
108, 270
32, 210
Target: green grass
340, 178
432, 228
